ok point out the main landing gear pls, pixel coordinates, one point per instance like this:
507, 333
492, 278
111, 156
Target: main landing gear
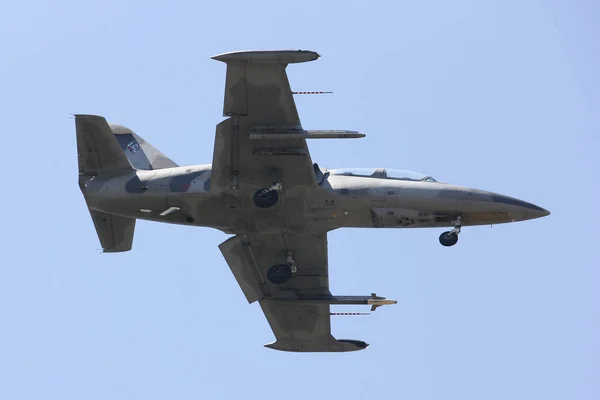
266, 198
281, 273
450, 238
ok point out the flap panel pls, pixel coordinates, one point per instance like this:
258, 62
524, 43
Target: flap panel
241, 264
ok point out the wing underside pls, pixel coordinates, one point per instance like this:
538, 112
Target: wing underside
259, 101
261, 145
297, 326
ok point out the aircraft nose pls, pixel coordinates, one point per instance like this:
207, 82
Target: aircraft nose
539, 212
526, 210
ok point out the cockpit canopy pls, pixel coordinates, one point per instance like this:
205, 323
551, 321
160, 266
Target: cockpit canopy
383, 173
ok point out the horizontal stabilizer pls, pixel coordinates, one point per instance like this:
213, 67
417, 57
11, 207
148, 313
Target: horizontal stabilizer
98, 151
114, 232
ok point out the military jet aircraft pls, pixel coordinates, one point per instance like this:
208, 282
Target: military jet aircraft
263, 187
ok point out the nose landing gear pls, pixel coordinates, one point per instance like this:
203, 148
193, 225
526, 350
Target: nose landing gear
450, 238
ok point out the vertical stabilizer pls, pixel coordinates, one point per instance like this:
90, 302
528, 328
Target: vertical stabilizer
141, 154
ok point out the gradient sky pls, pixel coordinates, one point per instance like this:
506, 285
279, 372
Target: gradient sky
497, 95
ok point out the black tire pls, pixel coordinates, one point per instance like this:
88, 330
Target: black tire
280, 273
448, 239
265, 198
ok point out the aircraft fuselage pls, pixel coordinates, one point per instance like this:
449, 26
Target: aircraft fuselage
339, 201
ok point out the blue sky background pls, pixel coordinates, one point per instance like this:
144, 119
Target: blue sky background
498, 95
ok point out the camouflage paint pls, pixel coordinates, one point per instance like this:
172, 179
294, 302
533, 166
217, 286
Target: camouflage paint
121, 175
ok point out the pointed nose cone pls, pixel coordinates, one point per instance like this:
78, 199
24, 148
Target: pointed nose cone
538, 212
519, 209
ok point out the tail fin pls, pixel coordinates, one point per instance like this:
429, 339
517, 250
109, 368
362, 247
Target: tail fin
97, 150
141, 154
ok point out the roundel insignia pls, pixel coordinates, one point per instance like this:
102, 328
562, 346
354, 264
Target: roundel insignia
133, 146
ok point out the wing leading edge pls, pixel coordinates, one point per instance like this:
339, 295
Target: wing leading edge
297, 326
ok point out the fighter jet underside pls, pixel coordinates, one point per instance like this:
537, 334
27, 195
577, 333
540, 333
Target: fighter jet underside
263, 188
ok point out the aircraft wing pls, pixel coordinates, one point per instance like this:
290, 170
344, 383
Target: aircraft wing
263, 141
297, 326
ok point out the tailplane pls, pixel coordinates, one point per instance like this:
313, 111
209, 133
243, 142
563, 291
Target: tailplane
99, 155
98, 152
114, 232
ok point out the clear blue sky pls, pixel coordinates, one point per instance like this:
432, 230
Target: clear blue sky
498, 95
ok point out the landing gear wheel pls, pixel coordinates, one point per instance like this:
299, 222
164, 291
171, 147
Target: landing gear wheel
280, 273
265, 198
448, 238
